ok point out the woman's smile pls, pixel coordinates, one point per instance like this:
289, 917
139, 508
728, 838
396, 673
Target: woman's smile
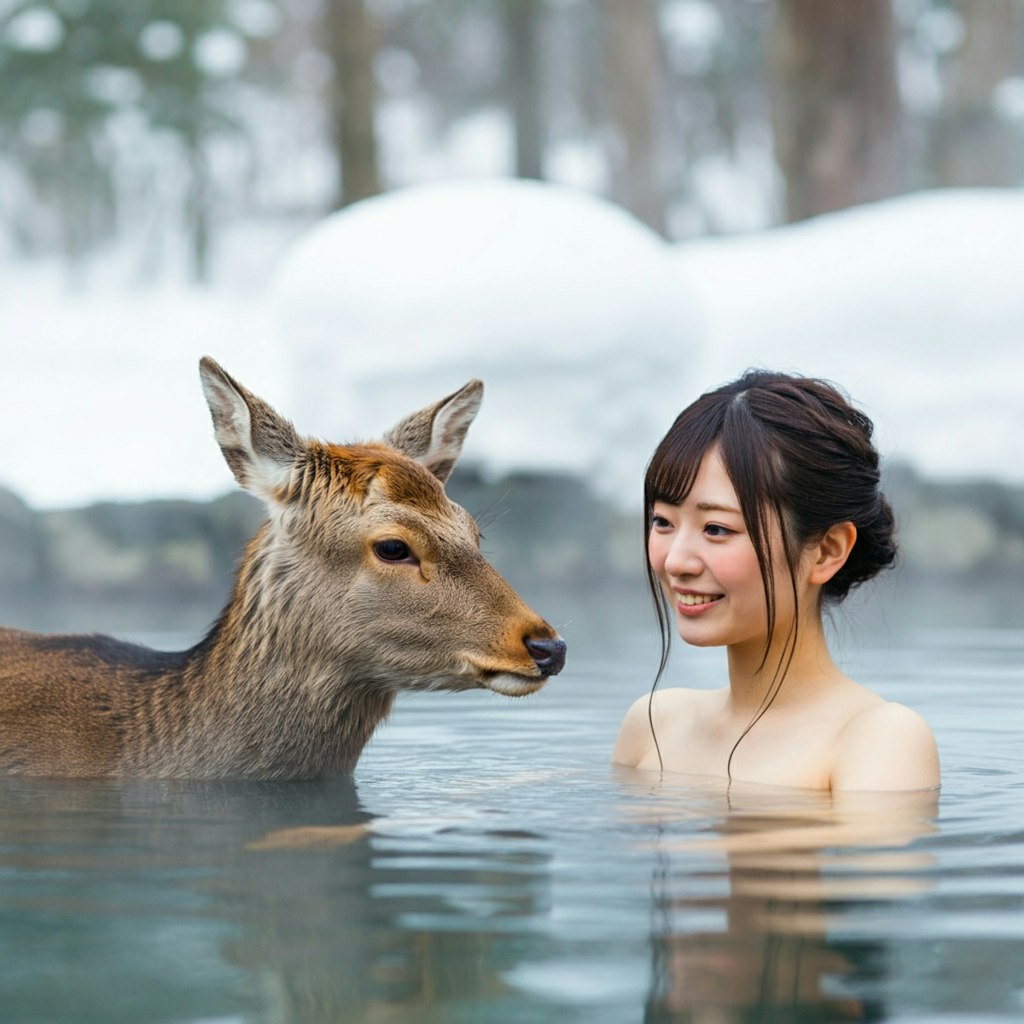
691, 603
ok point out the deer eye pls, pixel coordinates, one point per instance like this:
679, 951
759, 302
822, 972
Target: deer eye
393, 550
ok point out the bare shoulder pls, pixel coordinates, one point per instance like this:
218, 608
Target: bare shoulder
886, 746
634, 734
635, 739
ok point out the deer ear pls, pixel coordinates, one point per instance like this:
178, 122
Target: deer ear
434, 435
260, 446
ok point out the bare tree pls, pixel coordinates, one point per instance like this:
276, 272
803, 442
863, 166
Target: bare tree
974, 145
523, 21
350, 42
836, 112
635, 85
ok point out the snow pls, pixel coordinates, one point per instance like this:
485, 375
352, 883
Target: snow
161, 40
911, 305
100, 389
589, 332
35, 29
563, 304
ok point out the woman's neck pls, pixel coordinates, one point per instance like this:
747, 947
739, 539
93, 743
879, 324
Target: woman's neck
802, 669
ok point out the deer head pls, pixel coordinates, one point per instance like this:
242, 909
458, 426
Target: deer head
366, 573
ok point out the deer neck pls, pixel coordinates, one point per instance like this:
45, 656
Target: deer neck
285, 706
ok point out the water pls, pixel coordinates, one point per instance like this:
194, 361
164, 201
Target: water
487, 864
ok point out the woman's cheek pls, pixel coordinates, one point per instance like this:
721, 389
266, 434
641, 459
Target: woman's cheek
737, 568
657, 552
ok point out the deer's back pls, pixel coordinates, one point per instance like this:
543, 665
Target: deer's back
68, 702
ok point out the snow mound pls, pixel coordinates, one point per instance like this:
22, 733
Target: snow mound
563, 304
913, 305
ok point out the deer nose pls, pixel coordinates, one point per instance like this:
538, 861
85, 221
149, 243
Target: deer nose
549, 655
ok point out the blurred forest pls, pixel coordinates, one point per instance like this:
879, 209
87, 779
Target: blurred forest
143, 121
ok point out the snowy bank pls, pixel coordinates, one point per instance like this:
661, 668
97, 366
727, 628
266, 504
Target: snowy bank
589, 332
564, 305
914, 305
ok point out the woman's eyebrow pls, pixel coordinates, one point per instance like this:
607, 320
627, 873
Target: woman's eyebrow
713, 506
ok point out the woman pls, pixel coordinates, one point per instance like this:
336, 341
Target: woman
762, 506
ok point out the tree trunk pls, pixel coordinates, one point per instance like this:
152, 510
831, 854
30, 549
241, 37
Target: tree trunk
635, 80
198, 210
974, 145
523, 82
350, 42
836, 111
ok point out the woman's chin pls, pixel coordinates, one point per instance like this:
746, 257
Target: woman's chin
697, 638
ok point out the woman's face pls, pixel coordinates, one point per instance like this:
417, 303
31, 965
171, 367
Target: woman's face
703, 556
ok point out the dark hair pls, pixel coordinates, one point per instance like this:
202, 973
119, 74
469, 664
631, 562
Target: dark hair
798, 454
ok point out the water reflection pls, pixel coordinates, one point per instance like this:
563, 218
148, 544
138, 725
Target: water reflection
398, 924
491, 867
136, 896
264, 902
292, 903
768, 939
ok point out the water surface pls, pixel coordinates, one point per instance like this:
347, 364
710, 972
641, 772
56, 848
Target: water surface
486, 863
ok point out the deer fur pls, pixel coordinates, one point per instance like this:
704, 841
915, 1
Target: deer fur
365, 580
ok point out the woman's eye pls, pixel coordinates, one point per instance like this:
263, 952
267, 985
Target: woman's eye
715, 530
660, 522
393, 550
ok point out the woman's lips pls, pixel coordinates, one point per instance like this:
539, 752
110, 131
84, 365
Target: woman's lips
691, 602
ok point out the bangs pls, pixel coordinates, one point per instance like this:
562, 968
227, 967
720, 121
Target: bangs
724, 421
670, 475
676, 461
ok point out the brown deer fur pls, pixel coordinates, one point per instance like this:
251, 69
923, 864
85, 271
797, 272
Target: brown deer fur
366, 579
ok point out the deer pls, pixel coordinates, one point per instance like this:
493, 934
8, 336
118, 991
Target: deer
364, 580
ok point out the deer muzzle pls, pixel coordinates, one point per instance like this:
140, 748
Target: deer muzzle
548, 654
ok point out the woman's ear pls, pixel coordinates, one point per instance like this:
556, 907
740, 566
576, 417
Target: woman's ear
830, 553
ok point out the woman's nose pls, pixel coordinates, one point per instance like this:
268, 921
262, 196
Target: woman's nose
682, 558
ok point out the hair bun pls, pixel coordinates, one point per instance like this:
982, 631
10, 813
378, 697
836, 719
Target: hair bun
874, 551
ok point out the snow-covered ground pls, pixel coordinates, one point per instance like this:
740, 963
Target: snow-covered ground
589, 332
